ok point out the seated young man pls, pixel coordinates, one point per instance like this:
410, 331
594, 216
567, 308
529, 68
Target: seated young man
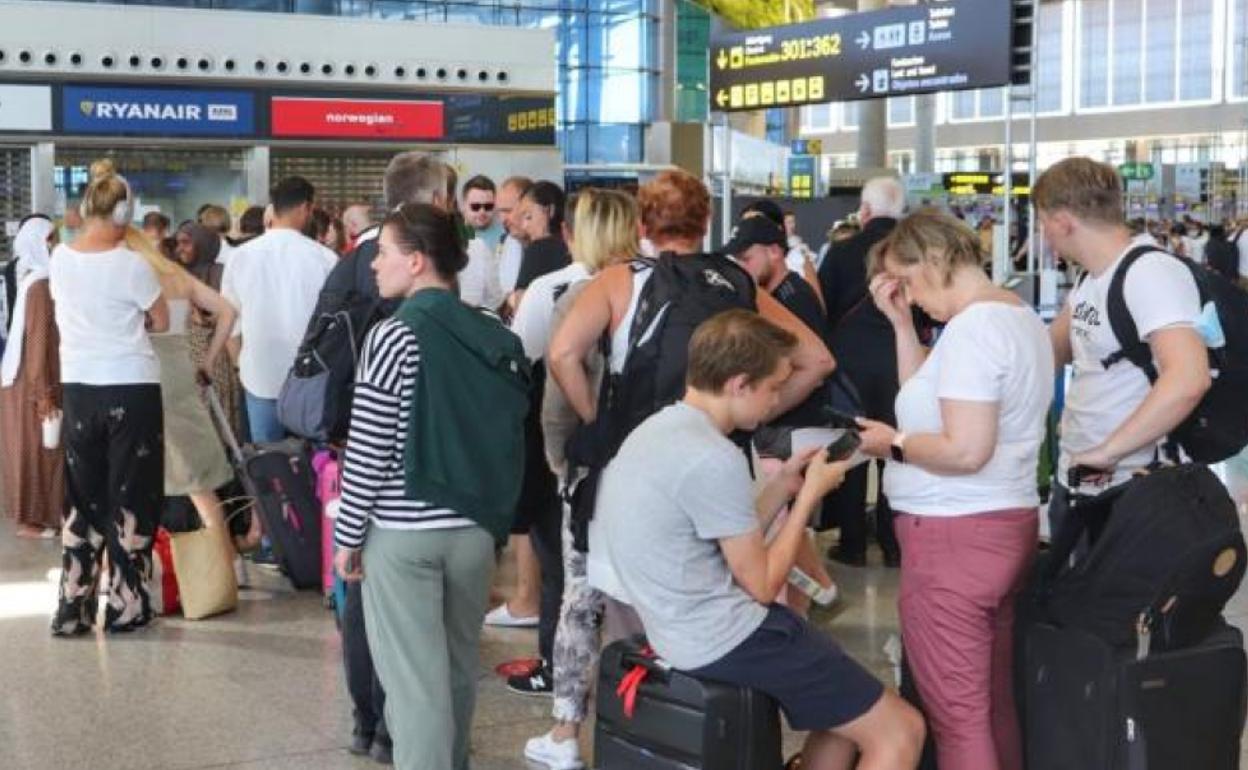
682, 529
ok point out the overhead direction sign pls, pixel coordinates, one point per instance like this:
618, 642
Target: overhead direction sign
944, 45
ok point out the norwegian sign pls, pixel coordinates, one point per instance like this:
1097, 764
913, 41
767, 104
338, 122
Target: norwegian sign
943, 45
157, 111
25, 108
310, 117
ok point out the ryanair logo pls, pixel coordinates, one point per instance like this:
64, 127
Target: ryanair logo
167, 111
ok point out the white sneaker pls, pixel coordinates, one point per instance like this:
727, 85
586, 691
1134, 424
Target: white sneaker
501, 616
240, 572
556, 755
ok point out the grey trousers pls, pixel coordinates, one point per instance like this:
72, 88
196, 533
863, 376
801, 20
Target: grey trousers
425, 598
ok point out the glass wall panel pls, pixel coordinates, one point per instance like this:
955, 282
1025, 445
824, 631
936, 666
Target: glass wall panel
1196, 74
1128, 39
1159, 66
817, 117
1050, 59
849, 115
1094, 54
962, 105
1239, 48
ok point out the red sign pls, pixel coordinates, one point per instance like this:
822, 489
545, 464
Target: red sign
357, 118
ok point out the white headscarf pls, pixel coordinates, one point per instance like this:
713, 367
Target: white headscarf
30, 249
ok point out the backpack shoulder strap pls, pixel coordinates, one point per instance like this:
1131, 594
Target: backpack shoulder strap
1131, 347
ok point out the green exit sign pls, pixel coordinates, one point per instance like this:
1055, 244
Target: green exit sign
1137, 172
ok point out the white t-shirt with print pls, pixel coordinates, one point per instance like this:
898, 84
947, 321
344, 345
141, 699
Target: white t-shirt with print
534, 317
990, 352
1160, 293
274, 281
101, 299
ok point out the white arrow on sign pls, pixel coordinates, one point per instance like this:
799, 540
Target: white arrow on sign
864, 40
863, 82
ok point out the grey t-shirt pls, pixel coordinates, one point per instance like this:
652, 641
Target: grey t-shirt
676, 487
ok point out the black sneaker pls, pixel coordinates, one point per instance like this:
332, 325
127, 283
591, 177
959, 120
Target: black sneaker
539, 683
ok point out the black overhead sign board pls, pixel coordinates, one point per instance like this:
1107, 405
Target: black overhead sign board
943, 45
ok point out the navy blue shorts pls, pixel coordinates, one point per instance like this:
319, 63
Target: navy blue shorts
817, 685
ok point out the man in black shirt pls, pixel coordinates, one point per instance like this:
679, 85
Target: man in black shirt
759, 245
863, 342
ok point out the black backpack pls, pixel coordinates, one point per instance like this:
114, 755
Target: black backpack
1218, 427
1168, 557
1222, 256
315, 400
683, 292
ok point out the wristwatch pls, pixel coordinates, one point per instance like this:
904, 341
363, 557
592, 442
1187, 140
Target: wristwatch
897, 449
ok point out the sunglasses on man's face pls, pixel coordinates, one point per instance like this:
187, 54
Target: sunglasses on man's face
481, 206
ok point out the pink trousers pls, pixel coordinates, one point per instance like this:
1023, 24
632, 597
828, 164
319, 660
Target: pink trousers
959, 578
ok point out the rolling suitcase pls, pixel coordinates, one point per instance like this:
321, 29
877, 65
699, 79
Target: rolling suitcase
669, 720
279, 477
1090, 705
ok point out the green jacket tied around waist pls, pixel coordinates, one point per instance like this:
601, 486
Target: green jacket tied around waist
465, 441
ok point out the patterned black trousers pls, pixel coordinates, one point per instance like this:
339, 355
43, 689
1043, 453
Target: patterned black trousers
114, 473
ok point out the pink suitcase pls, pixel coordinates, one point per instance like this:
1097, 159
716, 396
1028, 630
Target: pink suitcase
329, 490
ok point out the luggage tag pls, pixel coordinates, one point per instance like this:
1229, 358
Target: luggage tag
332, 507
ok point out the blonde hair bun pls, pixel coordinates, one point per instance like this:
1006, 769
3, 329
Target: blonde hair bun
102, 169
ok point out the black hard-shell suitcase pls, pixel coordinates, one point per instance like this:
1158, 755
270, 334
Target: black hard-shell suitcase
1093, 707
680, 722
279, 477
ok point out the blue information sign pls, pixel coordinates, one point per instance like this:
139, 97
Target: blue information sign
157, 111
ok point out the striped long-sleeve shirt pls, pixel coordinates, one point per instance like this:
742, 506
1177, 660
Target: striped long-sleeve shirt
373, 480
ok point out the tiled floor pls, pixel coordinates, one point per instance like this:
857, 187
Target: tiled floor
261, 688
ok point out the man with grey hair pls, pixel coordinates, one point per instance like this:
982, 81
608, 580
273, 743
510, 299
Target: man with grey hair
862, 341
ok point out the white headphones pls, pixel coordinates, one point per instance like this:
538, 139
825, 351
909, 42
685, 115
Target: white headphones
123, 211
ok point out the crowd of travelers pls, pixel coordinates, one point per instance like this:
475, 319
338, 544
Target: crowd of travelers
576, 379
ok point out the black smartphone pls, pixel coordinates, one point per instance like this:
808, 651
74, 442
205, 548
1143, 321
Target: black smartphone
843, 447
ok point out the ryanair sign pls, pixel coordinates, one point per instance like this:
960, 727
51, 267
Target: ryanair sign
157, 112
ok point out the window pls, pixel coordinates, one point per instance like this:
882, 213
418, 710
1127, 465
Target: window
816, 118
1094, 53
962, 105
1162, 39
1196, 47
983, 104
1128, 52
901, 111
1239, 48
849, 115
1050, 62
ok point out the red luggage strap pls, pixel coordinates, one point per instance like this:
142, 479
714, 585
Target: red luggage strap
631, 683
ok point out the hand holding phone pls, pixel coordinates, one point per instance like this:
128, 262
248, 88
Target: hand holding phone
844, 446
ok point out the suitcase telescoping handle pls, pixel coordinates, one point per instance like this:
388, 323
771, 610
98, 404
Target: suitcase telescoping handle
223, 423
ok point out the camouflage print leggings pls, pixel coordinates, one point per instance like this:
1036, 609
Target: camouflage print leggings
577, 638
114, 458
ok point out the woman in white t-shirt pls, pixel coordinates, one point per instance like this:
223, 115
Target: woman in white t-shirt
108, 297
962, 478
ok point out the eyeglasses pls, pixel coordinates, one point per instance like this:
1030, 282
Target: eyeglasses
481, 206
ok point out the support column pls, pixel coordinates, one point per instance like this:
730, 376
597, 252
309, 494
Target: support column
665, 106
925, 134
256, 165
42, 184
872, 117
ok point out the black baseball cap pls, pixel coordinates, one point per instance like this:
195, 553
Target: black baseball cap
755, 231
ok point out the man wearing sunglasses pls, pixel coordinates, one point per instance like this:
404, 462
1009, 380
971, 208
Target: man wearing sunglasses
479, 212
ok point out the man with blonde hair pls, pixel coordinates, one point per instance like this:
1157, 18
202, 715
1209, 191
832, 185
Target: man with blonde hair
1116, 414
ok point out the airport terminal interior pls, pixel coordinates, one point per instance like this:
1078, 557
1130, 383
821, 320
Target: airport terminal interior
185, 186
